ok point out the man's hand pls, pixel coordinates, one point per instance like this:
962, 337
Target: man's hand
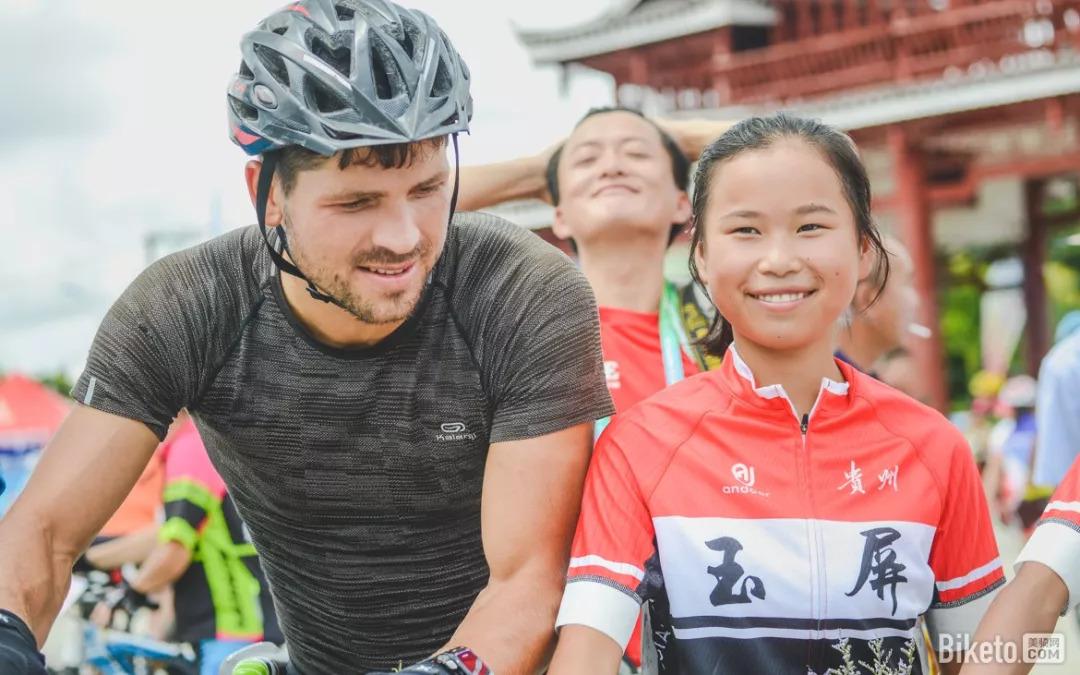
18, 649
459, 661
130, 600
486, 185
694, 135
130, 548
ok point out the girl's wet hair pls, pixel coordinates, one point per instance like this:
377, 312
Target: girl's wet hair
758, 133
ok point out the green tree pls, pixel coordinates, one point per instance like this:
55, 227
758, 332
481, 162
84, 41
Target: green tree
58, 381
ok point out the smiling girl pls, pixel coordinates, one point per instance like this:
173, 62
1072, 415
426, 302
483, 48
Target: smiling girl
786, 513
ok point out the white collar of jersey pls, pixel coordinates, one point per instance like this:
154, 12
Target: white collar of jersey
774, 391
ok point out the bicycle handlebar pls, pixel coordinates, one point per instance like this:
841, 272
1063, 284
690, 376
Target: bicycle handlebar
259, 667
263, 658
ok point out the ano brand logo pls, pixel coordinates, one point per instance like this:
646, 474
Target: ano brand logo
744, 474
454, 431
746, 478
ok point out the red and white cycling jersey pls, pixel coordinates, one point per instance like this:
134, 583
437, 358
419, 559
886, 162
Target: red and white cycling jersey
1056, 540
765, 543
633, 356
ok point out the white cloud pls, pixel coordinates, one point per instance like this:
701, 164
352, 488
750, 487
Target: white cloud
51, 73
121, 132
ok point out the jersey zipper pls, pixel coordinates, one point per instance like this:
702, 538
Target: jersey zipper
817, 553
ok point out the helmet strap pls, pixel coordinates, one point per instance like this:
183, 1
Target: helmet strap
262, 196
457, 175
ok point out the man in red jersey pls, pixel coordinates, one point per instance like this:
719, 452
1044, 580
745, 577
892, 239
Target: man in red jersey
619, 186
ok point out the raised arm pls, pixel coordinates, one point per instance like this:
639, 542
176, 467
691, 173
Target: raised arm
130, 548
84, 473
532, 493
490, 184
693, 135
165, 564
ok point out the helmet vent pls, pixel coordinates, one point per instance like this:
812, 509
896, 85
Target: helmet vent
442, 85
345, 12
322, 98
334, 56
274, 63
243, 110
384, 69
410, 37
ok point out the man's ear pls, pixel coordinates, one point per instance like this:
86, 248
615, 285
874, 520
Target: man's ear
868, 258
558, 225
273, 203
682, 208
864, 293
699, 250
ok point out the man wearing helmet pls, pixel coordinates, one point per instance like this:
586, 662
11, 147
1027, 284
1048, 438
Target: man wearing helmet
404, 382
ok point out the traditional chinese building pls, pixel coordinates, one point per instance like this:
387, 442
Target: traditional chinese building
963, 109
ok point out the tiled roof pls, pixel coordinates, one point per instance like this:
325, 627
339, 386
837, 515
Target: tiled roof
630, 23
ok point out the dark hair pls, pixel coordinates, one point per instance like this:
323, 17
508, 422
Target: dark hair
293, 159
680, 165
758, 133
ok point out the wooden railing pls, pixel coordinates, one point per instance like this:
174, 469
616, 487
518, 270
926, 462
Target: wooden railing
906, 46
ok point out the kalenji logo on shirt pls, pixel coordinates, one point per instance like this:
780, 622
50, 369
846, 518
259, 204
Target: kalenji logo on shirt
454, 431
745, 476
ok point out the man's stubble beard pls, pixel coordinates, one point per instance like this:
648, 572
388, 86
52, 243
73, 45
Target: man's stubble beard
391, 309
337, 287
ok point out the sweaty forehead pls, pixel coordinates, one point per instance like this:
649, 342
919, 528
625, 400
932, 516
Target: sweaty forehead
613, 127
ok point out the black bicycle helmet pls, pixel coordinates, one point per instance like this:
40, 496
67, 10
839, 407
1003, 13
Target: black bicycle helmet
328, 75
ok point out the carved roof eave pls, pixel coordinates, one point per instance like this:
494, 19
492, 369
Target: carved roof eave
903, 103
632, 24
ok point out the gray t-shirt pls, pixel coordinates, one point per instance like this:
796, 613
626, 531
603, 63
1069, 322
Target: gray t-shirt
359, 472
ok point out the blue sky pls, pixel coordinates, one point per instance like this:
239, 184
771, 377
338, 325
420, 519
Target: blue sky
113, 128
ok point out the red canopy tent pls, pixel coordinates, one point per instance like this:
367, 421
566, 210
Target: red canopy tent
30, 413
